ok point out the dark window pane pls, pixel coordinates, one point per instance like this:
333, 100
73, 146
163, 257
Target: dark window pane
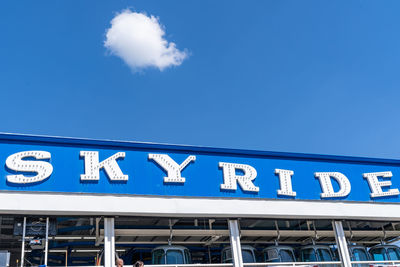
227, 256
324, 254
286, 255
187, 257
247, 256
394, 254
271, 255
379, 254
308, 255
174, 257
359, 255
158, 256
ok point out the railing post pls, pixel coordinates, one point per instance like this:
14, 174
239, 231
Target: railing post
235, 243
109, 242
46, 248
341, 243
23, 242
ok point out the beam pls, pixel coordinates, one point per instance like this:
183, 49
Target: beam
71, 204
341, 242
248, 233
236, 249
109, 242
166, 232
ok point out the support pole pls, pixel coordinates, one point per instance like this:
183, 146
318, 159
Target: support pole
98, 240
341, 242
236, 249
109, 242
46, 249
23, 242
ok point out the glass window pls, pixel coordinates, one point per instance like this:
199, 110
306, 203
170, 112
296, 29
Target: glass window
158, 256
359, 255
247, 256
174, 256
308, 254
324, 254
378, 254
286, 255
227, 256
188, 259
394, 254
271, 255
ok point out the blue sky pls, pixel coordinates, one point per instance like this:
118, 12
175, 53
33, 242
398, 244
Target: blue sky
300, 76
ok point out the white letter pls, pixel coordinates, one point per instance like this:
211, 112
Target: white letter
230, 177
110, 165
326, 184
172, 168
285, 179
376, 186
42, 168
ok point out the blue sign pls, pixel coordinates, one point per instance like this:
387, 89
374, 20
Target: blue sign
48, 164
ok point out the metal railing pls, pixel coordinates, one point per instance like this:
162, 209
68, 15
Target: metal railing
298, 263
189, 265
375, 263
257, 264
281, 264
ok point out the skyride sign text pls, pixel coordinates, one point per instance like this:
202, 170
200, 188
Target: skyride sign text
104, 167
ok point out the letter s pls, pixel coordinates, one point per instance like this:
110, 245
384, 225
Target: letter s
16, 163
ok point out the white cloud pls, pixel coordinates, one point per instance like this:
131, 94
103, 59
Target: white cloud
138, 39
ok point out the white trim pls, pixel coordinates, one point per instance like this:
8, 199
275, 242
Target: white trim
112, 205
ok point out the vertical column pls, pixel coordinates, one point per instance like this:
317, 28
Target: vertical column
46, 249
109, 242
23, 242
236, 248
341, 243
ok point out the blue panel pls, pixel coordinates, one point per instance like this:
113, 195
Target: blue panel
203, 177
